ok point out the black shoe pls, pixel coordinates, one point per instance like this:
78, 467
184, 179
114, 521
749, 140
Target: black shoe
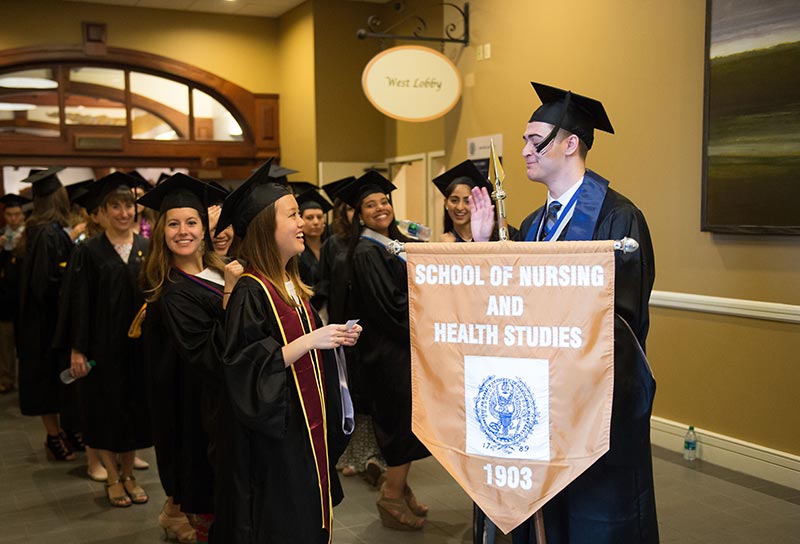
74, 440
57, 449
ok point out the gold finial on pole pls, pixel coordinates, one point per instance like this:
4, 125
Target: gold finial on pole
496, 177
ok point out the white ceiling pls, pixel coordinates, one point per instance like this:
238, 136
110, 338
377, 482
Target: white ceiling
256, 8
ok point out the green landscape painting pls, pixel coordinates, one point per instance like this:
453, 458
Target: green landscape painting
752, 154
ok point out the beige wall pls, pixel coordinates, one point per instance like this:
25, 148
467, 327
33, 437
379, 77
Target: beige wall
298, 106
644, 61
243, 50
349, 128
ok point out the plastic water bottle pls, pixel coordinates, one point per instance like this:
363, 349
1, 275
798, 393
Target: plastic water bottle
690, 445
418, 231
66, 374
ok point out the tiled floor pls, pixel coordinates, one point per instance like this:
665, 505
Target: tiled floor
43, 502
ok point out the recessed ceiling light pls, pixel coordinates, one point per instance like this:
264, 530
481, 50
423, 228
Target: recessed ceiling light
27, 83
16, 106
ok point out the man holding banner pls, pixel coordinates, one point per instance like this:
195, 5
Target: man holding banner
612, 501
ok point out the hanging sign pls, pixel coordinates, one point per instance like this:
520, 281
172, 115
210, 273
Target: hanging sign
512, 370
412, 83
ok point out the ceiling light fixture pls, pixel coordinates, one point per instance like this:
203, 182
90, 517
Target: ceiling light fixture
27, 83
16, 106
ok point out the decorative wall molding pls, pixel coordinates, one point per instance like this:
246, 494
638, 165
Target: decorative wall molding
734, 454
755, 309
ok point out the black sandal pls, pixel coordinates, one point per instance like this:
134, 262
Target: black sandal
57, 449
74, 439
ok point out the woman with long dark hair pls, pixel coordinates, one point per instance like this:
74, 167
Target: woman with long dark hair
380, 299
281, 417
46, 246
185, 282
332, 293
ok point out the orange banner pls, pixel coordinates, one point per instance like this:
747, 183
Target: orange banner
512, 365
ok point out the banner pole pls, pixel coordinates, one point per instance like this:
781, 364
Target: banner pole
538, 527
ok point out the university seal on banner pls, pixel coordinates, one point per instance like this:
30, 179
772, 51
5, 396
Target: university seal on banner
506, 412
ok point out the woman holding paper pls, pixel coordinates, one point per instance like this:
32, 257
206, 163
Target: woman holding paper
380, 297
281, 425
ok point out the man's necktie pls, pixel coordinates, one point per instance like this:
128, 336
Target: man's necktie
552, 217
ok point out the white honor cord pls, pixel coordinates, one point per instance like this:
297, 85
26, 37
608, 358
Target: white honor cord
348, 414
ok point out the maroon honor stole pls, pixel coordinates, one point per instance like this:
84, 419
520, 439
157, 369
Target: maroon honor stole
309, 380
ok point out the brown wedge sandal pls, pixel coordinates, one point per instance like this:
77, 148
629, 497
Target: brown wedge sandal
395, 514
134, 491
117, 500
415, 506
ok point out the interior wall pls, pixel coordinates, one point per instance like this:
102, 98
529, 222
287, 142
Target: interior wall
243, 50
296, 73
645, 61
349, 128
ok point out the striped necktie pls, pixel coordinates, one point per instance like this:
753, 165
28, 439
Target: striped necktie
552, 217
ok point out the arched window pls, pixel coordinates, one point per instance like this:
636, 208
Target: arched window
63, 105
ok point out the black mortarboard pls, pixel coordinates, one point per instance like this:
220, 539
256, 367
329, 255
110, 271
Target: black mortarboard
574, 113
369, 183
300, 187
466, 173
14, 201
162, 176
141, 181
181, 191
279, 173
221, 195
335, 186
44, 182
110, 183
88, 199
76, 190
313, 200
246, 201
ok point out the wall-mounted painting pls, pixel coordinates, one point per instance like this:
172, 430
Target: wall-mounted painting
751, 178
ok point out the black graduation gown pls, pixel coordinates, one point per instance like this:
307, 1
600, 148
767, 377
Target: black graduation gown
380, 300
333, 290
267, 485
104, 297
10, 269
614, 500
183, 336
308, 267
47, 249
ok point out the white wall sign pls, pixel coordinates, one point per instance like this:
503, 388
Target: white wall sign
412, 83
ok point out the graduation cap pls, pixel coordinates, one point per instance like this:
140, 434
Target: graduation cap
14, 201
218, 197
313, 200
110, 183
243, 204
300, 187
88, 199
44, 182
279, 173
76, 190
163, 176
141, 181
369, 183
181, 191
464, 173
574, 113
335, 186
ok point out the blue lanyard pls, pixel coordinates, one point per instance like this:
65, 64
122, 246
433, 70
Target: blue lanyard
561, 217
